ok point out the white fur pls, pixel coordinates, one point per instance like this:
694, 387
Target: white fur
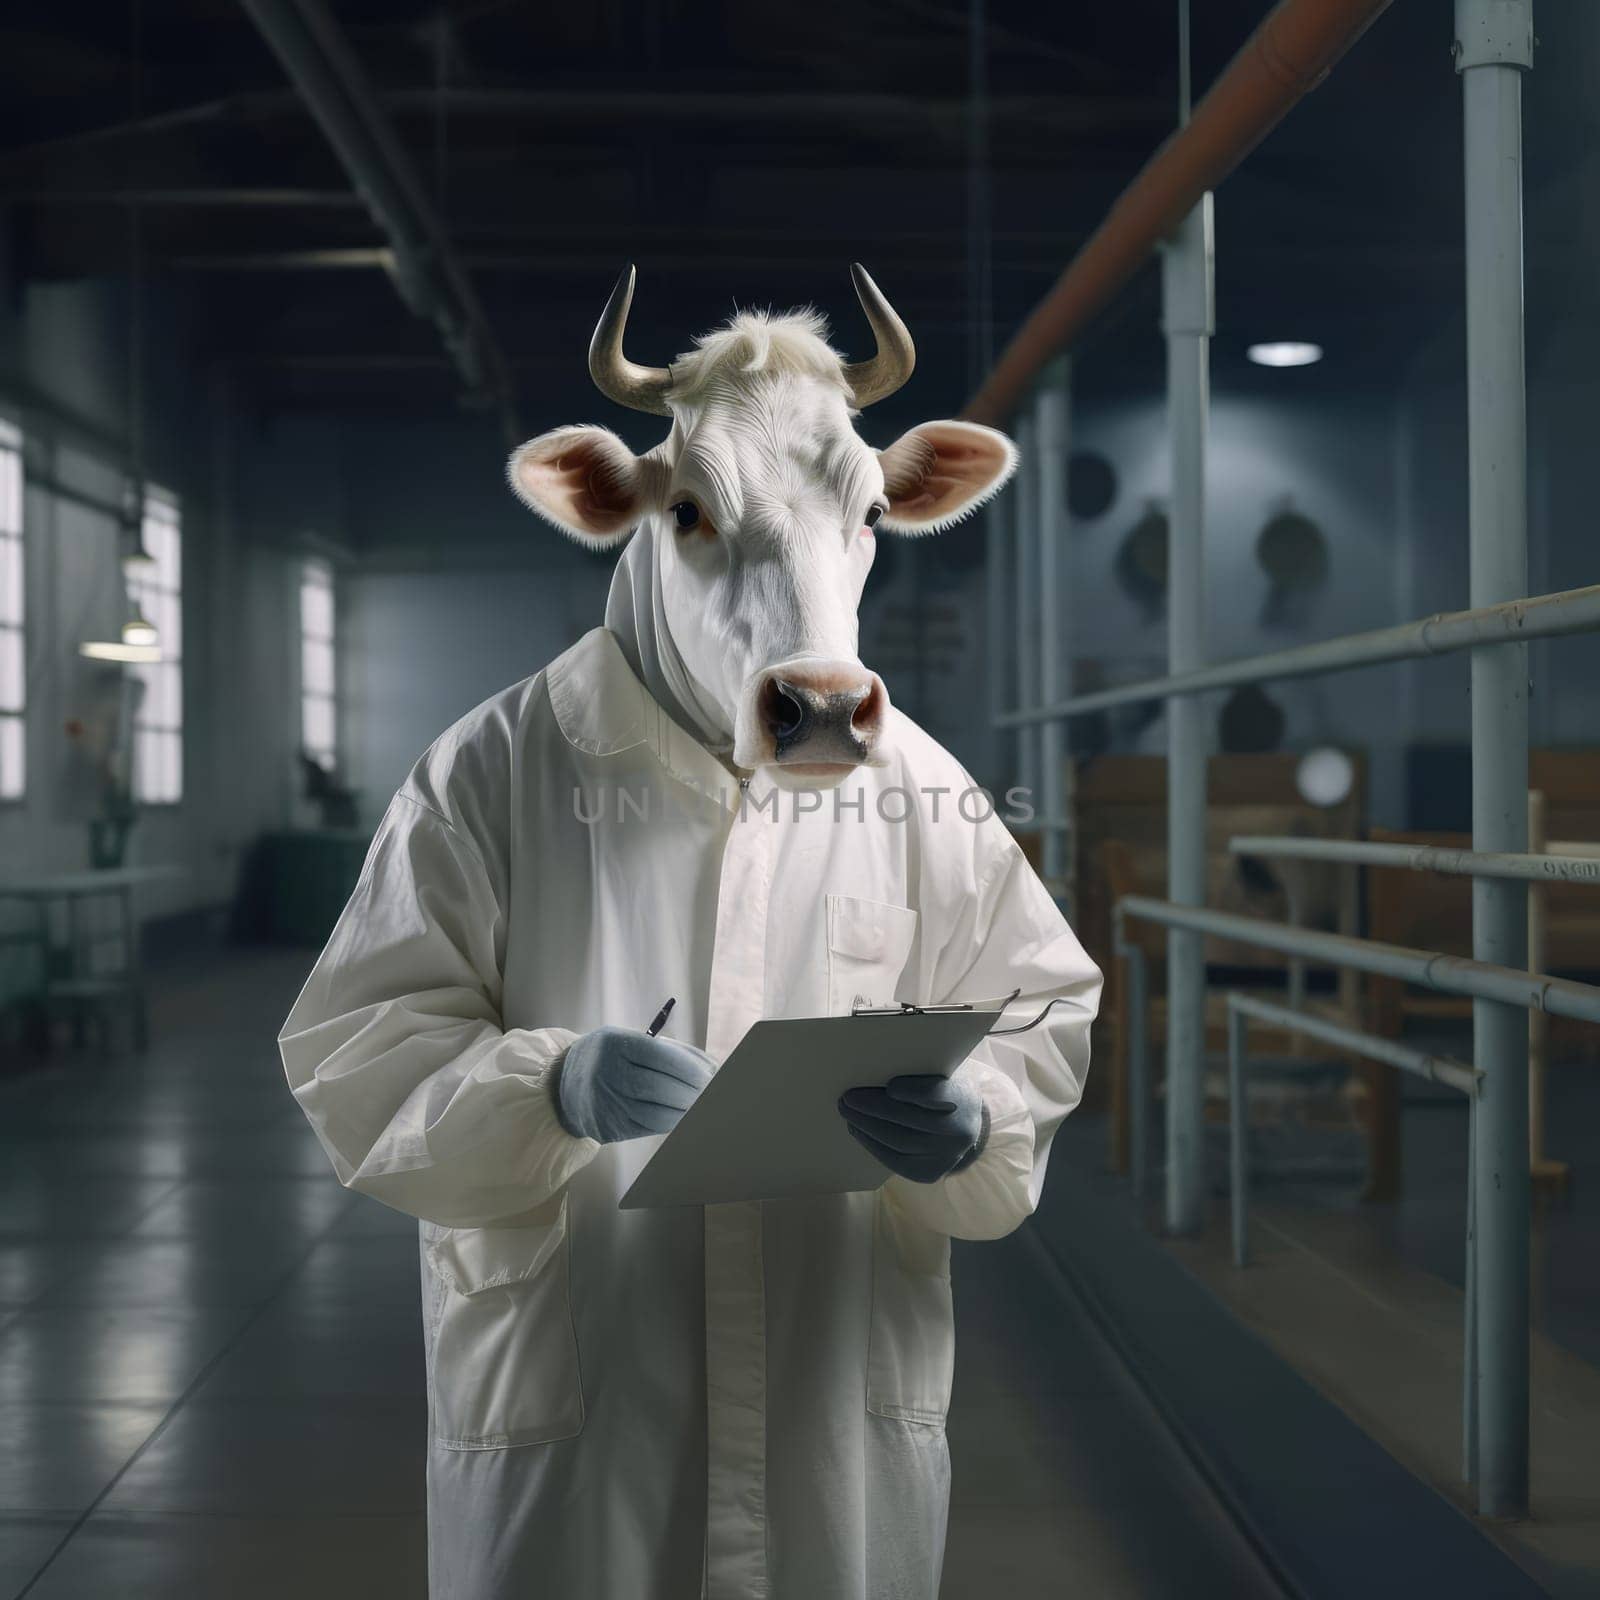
758, 341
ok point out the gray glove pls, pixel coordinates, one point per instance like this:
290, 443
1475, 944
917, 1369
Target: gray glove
616, 1083
922, 1127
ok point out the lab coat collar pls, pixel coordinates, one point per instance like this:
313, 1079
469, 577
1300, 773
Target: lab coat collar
603, 709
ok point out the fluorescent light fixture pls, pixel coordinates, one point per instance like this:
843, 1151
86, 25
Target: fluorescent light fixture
1285, 353
116, 650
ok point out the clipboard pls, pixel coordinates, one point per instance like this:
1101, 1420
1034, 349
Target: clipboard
767, 1126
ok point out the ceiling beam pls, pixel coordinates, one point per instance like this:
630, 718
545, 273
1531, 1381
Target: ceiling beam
426, 270
849, 115
841, 111
243, 198
884, 254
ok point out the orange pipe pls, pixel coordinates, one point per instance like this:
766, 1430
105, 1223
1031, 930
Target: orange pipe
1282, 61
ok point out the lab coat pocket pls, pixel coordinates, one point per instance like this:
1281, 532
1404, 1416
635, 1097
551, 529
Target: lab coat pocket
911, 1342
503, 1353
868, 943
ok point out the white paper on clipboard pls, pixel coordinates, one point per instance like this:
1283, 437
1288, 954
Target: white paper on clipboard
767, 1126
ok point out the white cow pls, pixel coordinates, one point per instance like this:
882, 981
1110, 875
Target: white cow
735, 1401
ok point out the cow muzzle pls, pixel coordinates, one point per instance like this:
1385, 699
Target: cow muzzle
815, 720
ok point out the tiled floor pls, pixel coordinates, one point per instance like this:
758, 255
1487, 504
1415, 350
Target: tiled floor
210, 1372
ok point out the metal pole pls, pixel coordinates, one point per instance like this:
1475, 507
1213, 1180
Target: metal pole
1538, 1022
1535, 867
1026, 611
1138, 1065
1238, 1132
1494, 45
998, 547
1561, 997
1436, 1069
1187, 318
1295, 895
1545, 616
980, 357
1469, 1310
1053, 420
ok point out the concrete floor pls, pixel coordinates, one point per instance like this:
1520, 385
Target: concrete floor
1366, 1301
1427, 1226
210, 1369
1381, 1338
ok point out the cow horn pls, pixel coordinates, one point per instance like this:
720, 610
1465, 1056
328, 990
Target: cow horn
639, 388
896, 354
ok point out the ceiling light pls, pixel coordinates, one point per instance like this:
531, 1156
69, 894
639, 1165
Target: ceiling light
139, 641
1285, 353
137, 631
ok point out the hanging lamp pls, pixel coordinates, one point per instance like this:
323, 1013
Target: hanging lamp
138, 639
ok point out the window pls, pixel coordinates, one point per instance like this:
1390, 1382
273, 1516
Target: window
13, 684
156, 587
319, 723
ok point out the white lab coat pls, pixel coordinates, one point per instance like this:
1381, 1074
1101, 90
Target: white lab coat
737, 1402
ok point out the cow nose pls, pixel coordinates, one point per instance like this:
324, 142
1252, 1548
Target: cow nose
827, 714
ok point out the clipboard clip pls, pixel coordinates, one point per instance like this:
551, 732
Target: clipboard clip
862, 1009
865, 1008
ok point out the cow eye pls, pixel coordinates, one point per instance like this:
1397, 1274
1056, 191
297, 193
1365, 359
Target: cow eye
686, 515
873, 513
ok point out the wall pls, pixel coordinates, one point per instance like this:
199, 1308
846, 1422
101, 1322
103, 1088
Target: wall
424, 646
1332, 458
63, 380
454, 592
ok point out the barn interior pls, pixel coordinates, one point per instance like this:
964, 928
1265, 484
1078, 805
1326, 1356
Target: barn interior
1310, 1304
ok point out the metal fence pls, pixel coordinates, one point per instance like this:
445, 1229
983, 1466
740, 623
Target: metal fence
1243, 1009
1299, 41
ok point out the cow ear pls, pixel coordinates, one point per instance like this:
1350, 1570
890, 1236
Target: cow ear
586, 481
937, 473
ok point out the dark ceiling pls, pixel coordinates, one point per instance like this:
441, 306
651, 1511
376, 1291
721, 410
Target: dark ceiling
738, 152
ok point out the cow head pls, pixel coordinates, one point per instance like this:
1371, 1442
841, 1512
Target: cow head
765, 506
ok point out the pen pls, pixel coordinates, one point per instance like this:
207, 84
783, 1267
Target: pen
661, 1018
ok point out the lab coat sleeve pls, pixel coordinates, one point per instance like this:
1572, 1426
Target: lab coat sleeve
1010, 935
395, 1049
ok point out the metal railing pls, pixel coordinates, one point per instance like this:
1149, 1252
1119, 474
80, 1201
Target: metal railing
1430, 969
1457, 975
1493, 46
1546, 616
1243, 1009
1425, 858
